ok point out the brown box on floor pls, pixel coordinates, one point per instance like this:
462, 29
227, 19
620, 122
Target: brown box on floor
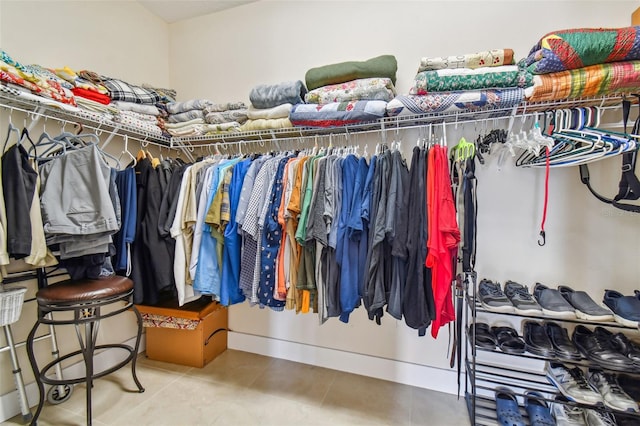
195, 347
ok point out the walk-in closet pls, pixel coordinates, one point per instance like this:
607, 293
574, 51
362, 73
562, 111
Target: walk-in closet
283, 212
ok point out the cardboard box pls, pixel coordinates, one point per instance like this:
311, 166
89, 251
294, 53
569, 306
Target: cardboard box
635, 17
195, 348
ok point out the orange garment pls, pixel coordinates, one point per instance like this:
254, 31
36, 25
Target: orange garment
294, 297
280, 289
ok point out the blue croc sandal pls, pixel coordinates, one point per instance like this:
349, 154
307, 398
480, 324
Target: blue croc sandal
537, 409
507, 408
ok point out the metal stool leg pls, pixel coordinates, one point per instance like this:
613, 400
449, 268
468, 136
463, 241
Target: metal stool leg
136, 348
36, 370
17, 374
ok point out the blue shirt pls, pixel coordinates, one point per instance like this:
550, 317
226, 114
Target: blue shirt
347, 249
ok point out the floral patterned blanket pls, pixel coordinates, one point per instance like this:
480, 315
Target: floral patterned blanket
486, 58
380, 89
470, 79
336, 113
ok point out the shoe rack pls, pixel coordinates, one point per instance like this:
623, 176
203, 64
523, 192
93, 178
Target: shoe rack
488, 369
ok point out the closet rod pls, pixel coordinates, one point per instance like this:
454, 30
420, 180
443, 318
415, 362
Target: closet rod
515, 115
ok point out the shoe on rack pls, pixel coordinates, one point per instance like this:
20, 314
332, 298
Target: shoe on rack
492, 298
536, 339
537, 409
627, 348
597, 347
508, 340
562, 344
630, 385
521, 299
599, 418
612, 394
552, 303
584, 305
507, 410
626, 309
484, 337
572, 384
567, 415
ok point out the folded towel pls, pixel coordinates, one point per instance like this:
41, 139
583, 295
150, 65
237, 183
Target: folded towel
224, 107
486, 58
184, 123
238, 115
186, 116
380, 66
178, 107
379, 89
337, 113
280, 111
142, 109
90, 94
266, 124
271, 95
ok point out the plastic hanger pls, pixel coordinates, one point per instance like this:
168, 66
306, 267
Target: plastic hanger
126, 152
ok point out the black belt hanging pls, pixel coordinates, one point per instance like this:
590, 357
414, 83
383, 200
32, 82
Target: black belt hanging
629, 186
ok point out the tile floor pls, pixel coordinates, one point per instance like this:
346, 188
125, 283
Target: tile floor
240, 388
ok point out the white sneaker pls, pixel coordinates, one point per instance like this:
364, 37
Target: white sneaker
598, 418
572, 384
612, 394
567, 415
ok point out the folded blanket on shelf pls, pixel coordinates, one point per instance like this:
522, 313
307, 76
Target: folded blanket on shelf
70, 75
204, 129
337, 113
166, 95
95, 115
140, 108
90, 94
185, 116
437, 102
227, 106
580, 47
178, 107
594, 80
280, 111
143, 117
46, 74
120, 90
141, 125
266, 124
238, 115
486, 58
11, 77
91, 105
378, 89
470, 79
31, 78
184, 123
271, 95
380, 66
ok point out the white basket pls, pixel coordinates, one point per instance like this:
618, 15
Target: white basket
11, 300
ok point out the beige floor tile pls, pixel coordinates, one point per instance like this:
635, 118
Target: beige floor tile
233, 368
188, 401
437, 409
370, 399
117, 393
174, 368
295, 381
54, 415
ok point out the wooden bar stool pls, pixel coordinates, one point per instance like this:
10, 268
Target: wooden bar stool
86, 300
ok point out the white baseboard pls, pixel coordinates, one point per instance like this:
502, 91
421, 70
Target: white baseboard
366, 365
10, 402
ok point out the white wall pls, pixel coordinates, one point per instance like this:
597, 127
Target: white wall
118, 39
590, 246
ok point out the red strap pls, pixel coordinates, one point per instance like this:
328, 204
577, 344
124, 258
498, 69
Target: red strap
542, 239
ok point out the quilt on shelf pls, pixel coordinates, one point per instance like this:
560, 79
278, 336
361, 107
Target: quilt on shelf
380, 89
336, 113
470, 79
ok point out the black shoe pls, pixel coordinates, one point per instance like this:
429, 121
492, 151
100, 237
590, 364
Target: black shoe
536, 339
508, 340
627, 348
630, 385
597, 347
562, 345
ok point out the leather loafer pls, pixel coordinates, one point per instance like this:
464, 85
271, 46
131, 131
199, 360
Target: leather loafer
597, 347
627, 348
536, 339
562, 345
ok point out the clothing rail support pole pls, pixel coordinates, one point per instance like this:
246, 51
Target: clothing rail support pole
111, 136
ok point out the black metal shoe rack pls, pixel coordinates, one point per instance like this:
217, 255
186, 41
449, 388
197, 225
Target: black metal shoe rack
487, 369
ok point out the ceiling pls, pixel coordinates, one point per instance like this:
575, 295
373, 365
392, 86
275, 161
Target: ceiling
177, 10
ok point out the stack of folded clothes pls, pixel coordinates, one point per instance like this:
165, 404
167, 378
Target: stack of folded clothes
584, 62
144, 117
34, 79
347, 93
271, 105
199, 117
487, 79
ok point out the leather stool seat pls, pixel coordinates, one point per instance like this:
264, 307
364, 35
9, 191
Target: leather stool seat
86, 290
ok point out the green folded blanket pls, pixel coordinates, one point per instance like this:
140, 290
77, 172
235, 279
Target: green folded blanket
380, 66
